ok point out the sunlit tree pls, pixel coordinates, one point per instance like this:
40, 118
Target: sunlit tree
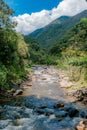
5, 15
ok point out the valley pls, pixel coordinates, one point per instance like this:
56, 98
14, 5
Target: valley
43, 75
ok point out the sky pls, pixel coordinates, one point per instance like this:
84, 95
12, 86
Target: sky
34, 14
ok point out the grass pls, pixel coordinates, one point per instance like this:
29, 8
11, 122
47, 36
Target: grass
76, 72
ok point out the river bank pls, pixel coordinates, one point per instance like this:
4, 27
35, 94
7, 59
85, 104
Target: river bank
71, 87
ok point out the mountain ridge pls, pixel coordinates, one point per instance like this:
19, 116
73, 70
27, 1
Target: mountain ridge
52, 33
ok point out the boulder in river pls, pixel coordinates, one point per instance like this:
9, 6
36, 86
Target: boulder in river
1, 111
61, 114
45, 111
82, 125
42, 107
58, 105
18, 92
73, 112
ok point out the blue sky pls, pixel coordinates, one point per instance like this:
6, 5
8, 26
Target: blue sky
34, 14
29, 6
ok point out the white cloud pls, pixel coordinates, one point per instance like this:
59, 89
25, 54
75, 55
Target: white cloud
28, 23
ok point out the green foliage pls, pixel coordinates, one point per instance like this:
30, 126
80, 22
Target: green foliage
5, 13
74, 42
84, 20
8, 46
3, 75
11, 57
14, 53
80, 62
71, 51
38, 54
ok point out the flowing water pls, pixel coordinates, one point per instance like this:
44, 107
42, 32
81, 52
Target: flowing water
36, 109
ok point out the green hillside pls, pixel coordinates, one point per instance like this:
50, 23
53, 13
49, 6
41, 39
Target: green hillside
75, 40
39, 54
71, 53
57, 29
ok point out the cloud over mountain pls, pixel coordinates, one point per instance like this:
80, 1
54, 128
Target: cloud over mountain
27, 23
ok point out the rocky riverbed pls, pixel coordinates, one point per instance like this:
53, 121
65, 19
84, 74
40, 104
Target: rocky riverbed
44, 105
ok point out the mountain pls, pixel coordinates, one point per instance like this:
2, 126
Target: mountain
53, 32
37, 32
74, 41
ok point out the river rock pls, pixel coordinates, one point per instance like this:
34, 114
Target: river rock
46, 111
11, 91
85, 100
1, 111
73, 112
44, 78
42, 107
61, 114
81, 95
83, 114
18, 92
82, 125
30, 85
58, 105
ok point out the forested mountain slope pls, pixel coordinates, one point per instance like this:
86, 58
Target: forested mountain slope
75, 40
38, 54
53, 32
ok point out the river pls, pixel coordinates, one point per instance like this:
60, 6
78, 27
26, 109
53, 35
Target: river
44, 105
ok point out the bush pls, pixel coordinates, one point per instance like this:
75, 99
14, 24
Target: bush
3, 75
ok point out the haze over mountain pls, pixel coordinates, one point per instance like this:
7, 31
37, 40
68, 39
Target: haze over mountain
53, 32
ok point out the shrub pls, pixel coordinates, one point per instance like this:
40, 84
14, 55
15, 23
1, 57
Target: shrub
3, 75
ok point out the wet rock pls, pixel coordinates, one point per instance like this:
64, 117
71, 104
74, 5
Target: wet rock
82, 125
78, 93
40, 111
46, 111
17, 123
11, 91
1, 111
45, 67
80, 98
42, 107
30, 85
81, 95
85, 100
49, 111
18, 92
58, 105
44, 78
83, 114
61, 114
73, 112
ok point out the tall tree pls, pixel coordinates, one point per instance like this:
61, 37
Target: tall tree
5, 14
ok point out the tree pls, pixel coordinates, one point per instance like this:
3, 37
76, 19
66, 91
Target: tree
13, 50
5, 14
